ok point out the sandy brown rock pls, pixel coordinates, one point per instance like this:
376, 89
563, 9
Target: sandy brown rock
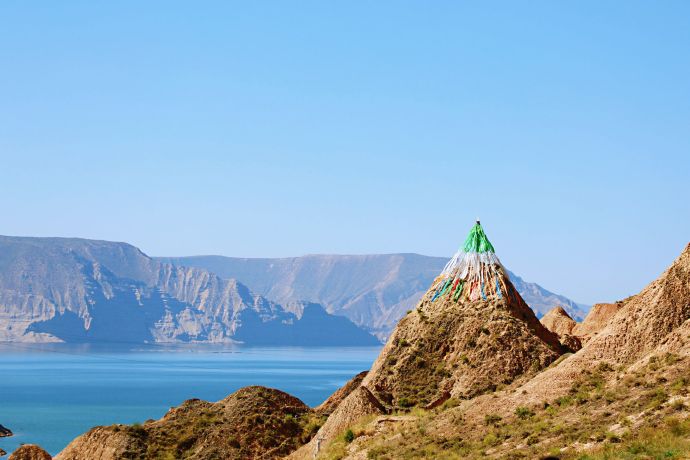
446, 348
571, 342
459, 349
2, 452
105, 442
329, 405
30, 452
254, 422
558, 321
654, 321
597, 319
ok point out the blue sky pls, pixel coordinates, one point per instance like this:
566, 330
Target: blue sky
286, 128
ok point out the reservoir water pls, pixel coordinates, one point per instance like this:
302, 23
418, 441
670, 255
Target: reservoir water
49, 394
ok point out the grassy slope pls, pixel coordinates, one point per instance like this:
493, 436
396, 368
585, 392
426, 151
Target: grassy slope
607, 414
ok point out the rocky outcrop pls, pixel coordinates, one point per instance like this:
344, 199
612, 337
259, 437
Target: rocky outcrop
373, 291
358, 404
657, 320
597, 319
560, 323
5, 432
30, 452
254, 422
72, 290
573, 335
333, 401
459, 349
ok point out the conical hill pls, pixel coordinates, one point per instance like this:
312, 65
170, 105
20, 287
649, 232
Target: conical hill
470, 333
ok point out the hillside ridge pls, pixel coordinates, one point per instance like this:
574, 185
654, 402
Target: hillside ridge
372, 290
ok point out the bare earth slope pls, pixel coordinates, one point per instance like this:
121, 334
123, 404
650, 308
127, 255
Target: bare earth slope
558, 321
597, 319
445, 349
333, 401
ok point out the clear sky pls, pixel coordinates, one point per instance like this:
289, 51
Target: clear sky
286, 128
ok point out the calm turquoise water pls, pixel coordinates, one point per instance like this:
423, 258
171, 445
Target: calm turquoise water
51, 394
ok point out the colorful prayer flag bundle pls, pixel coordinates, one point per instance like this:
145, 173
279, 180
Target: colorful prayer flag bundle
474, 272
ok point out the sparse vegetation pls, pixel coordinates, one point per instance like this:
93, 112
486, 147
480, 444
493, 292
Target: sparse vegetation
600, 413
523, 413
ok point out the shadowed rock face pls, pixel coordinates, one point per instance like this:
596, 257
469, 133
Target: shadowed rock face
30, 452
254, 422
73, 290
333, 401
5, 432
374, 291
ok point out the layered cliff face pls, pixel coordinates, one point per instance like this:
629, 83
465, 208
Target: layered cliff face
374, 291
73, 290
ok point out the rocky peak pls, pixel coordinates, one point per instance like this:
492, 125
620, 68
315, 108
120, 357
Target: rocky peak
471, 332
558, 321
30, 452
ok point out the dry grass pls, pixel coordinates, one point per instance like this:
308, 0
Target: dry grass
605, 415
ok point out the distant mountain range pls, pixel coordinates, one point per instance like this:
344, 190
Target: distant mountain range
76, 290
374, 291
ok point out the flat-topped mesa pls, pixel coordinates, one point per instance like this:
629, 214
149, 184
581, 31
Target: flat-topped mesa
473, 273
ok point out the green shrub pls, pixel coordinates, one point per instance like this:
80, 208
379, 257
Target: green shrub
349, 436
405, 402
492, 419
523, 413
450, 403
